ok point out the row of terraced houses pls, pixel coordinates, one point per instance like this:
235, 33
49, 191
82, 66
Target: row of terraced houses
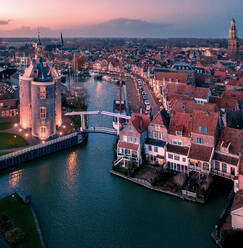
188, 134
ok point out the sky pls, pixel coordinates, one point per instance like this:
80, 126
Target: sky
118, 18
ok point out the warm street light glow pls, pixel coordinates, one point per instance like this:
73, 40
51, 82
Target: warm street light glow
15, 124
60, 133
20, 130
43, 142
26, 135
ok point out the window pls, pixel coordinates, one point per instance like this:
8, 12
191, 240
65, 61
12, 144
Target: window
232, 171
205, 129
150, 148
130, 128
200, 129
177, 142
159, 136
170, 155
157, 128
178, 133
224, 167
155, 149
155, 135
135, 140
43, 132
130, 139
216, 165
200, 140
184, 159
124, 138
177, 157
43, 112
42, 92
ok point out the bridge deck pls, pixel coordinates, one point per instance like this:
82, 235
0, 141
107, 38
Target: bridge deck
104, 130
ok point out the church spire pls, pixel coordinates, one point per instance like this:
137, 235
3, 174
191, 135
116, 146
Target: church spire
233, 42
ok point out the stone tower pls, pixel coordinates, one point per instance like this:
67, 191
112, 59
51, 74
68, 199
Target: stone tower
233, 42
40, 97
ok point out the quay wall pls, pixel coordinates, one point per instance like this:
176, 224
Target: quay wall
34, 152
147, 185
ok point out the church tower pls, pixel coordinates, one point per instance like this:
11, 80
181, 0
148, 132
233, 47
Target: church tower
233, 42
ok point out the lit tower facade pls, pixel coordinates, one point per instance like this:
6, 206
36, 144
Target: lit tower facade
233, 42
40, 97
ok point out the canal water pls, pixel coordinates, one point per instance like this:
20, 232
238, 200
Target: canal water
81, 205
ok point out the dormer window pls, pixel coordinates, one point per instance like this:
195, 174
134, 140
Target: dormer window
178, 133
205, 129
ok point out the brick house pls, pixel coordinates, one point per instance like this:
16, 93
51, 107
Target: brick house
157, 137
179, 140
205, 128
131, 140
226, 159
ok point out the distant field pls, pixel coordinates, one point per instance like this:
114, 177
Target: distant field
6, 125
8, 141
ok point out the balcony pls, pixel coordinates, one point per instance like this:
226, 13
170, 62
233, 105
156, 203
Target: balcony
222, 174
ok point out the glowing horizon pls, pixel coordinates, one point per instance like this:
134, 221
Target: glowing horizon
27, 15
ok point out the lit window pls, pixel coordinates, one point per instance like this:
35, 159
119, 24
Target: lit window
42, 92
43, 112
43, 132
125, 138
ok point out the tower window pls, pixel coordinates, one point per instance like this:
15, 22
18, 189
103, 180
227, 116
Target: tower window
42, 92
43, 132
43, 112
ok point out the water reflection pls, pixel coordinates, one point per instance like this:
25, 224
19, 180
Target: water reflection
14, 178
72, 163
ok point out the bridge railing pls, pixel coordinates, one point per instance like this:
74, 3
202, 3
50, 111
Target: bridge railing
101, 130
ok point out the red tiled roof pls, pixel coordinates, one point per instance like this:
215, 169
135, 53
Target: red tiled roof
187, 106
231, 136
205, 119
140, 122
181, 122
177, 149
200, 152
126, 145
173, 76
159, 119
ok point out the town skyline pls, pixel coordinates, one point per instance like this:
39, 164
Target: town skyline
108, 19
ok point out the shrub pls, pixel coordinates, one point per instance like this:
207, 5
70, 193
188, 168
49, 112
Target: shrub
5, 224
15, 236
